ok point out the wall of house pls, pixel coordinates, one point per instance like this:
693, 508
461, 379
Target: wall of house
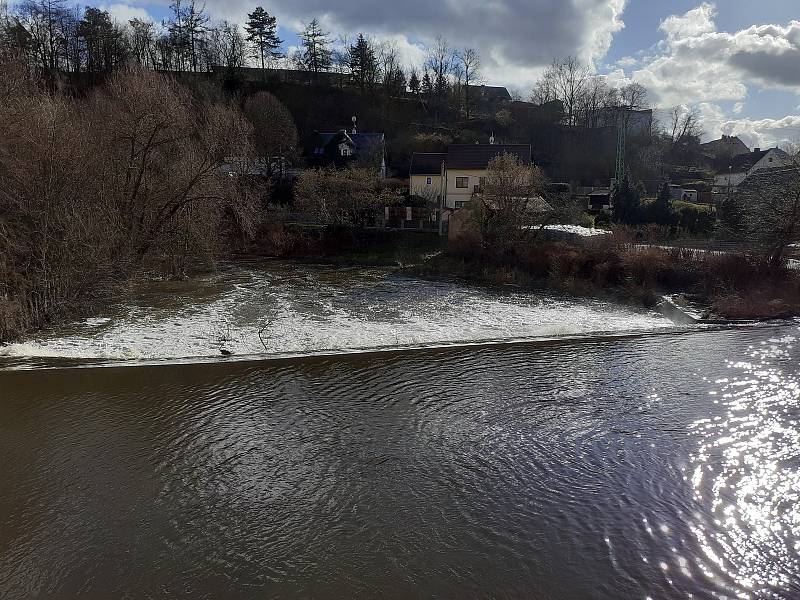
419, 186
458, 197
771, 160
723, 181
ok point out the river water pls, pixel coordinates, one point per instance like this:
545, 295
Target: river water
603, 454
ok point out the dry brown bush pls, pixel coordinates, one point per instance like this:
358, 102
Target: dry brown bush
93, 190
348, 196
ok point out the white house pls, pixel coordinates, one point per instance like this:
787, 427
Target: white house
744, 165
453, 177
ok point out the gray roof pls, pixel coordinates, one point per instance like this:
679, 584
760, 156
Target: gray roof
478, 156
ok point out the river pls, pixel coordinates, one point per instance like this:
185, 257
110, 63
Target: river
388, 443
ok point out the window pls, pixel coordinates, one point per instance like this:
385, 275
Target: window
460, 204
429, 181
462, 182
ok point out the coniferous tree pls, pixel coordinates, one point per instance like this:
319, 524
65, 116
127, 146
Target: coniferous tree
627, 202
414, 84
262, 35
662, 206
316, 55
427, 85
363, 64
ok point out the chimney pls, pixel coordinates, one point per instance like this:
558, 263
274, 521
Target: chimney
757, 150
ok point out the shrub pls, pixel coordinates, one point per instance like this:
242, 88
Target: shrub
602, 219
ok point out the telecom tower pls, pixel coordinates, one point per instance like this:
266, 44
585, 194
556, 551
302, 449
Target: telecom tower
621, 139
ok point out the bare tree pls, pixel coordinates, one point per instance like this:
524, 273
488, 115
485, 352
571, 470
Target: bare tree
684, 126
597, 97
142, 42
226, 46
565, 80
470, 62
440, 62
544, 90
629, 99
44, 21
393, 77
515, 205
274, 131
333, 196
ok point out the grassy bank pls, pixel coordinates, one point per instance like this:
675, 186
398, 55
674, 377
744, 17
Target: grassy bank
344, 245
731, 286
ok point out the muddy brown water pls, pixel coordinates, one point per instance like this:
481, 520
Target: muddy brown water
660, 466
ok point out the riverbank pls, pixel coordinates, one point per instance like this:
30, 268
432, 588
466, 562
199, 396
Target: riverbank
727, 286
345, 246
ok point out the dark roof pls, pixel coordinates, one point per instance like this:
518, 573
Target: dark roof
775, 176
427, 163
478, 156
358, 139
745, 162
490, 92
731, 145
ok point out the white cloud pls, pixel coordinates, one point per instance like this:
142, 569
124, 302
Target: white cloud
697, 63
627, 62
756, 133
516, 38
125, 12
695, 22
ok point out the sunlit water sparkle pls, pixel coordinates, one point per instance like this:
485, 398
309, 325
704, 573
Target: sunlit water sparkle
747, 469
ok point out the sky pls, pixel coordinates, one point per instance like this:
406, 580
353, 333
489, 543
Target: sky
737, 62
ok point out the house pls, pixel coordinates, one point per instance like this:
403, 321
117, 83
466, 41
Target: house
488, 99
460, 172
342, 148
599, 199
466, 166
725, 148
743, 166
678, 192
426, 175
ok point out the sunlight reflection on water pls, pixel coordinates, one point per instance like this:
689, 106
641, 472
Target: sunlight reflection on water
747, 470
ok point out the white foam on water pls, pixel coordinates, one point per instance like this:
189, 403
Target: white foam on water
311, 309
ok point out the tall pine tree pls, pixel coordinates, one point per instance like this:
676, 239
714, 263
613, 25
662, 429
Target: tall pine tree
316, 48
363, 64
414, 83
262, 35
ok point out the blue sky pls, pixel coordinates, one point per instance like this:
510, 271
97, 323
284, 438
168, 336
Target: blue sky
737, 62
